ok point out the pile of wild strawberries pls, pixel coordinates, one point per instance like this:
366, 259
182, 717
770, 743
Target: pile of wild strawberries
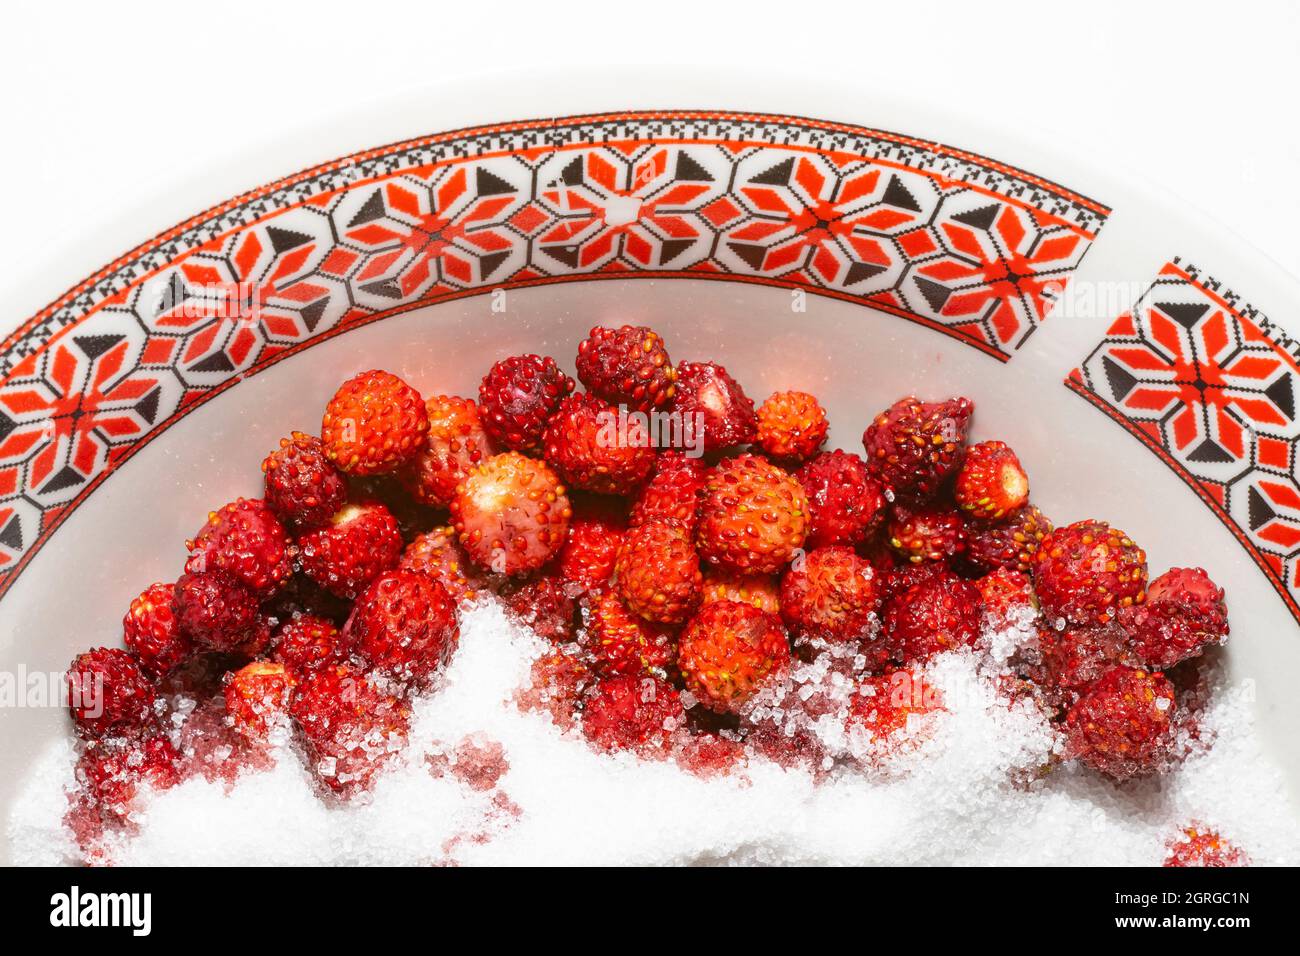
674, 588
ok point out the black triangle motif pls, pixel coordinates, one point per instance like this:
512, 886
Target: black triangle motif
7, 426
750, 254
311, 313
1283, 395
1210, 452
572, 173
689, 169
491, 262
66, 478
980, 218
672, 248
490, 184
1121, 380
862, 270
935, 294
282, 240
96, 345
896, 194
216, 362
12, 535
171, 297
778, 175
1258, 511
1185, 314
147, 407
385, 288
566, 254
371, 209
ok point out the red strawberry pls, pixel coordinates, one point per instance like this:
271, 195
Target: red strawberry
518, 396
257, 698
939, 613
658, 573
1123, 725
374, 423
108, 693
752, 515
214, 610
110, 772
511, 514
558, 680
913, 446
672, 492
926, 533
889, 704
627, 366
1087, 571
351, 728
588, 557
991, 483
306, 643
832, 594
763, 591
438, 554
456, 442
1076, 658
1183, 614
1197, 846
361, 542
150, 632
245, 539
1011, 543
585, 445
713, 407
404, 626
728, 651
302, 486
632, 713
846, 504
621, 642
546, 603
1008, 599
791, 426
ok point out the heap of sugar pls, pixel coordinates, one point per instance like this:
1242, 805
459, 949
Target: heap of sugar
483, 782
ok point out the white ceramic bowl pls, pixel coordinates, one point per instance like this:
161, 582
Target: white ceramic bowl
1142, 361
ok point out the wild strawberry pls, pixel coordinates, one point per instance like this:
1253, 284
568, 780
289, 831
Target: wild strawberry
306, 643
438, 554
1122, 725
728, 651
658, 573
557, 682
257, 698
584, 444
351, 728
518, 396
456, 442
1197, 846
1008, 599
939, 613
791, 427
511, 514
245, 539
832, 594
111, 771
108, 693
632, 713
1087, 571
1011, 543
926, 532
620, 642
302, 486
214, 610
890, 704
846, 504
361, 542
588, 557
374, 423
672, 492
913, 446
752, 515
1183, 614
1077, 657
627, 366
404, 626
761, 590
991, 483
713, 406
150, 632
546, 603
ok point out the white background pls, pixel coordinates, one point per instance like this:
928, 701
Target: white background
105, 104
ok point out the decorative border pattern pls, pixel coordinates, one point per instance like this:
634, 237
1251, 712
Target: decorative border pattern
1210, 385
968, 246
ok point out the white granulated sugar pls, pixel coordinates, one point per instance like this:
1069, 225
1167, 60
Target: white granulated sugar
971, 789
